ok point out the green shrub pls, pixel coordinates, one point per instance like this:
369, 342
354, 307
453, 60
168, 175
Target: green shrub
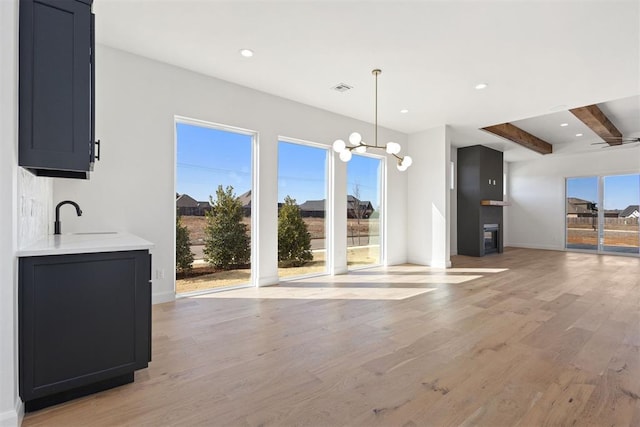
294, 240
184, 256
226, 243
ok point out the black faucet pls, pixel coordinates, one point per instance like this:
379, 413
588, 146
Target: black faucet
56, 225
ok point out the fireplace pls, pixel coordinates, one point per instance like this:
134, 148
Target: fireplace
491, 242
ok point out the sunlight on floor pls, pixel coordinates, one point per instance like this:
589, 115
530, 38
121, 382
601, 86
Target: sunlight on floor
445, 279
283, 292
468, 270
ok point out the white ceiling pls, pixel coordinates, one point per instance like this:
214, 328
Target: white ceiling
538, 57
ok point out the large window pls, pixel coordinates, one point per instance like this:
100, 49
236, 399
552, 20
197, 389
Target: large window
582, 213
302, 207
602, 213
364, 208
213, 206
620, 199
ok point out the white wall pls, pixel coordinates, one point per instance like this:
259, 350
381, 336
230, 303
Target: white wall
25, 213
428, 198
8, 219
535, 217
453, 215
132, 187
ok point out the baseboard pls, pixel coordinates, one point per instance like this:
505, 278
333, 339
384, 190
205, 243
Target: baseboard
440, 263
268, 281
14, 417
415, 261
339, 271
161, 297
533, 246
433, 263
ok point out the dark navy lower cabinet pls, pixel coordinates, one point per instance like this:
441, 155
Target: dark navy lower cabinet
84, 323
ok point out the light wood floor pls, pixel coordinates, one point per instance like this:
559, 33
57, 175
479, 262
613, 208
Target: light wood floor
552, 340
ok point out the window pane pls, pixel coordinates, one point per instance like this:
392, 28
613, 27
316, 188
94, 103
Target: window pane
302, 187
364, 179
213, 170
582, 213
621, 211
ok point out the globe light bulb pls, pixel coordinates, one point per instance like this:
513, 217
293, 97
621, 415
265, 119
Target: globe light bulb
402, 167
345, 155
339, 145
407, 161
355, 138
361, 149
393, 147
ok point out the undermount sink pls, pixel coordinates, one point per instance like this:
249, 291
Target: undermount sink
88, 233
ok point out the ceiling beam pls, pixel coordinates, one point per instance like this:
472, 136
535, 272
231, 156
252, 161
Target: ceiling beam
521, 137
595, 119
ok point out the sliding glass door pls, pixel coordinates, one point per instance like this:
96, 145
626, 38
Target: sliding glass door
602, 213
582, 213
621, 196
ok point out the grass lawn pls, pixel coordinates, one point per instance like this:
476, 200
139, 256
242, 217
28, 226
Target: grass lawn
359, 256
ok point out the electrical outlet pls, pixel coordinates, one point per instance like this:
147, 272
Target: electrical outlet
160, 273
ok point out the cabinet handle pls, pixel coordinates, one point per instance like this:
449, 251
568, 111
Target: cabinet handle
97, 155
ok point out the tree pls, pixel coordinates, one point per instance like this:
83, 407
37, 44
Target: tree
184, 256
294, 240
358, 209
226, 243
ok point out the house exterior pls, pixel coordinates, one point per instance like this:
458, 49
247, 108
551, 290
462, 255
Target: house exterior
245, 199
580, 208
355, 208
358, 208
631, 211
313, 209
187, 205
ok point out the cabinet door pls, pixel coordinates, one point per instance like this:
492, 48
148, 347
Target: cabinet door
55, 87
83, 319
491, 166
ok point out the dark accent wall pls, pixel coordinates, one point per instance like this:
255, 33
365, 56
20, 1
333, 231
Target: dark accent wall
479, 178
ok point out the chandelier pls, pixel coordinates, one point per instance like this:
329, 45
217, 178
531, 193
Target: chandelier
359, 146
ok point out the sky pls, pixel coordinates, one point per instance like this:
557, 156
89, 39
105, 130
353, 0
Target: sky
209, 157
620, 191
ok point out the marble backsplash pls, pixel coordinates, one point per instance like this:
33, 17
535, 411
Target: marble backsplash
35, 205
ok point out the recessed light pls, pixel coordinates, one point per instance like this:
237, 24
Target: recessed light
578, 134
247, 53
480, 86
564, 125
404, 111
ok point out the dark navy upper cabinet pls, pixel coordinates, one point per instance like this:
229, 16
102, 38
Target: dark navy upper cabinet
56, 88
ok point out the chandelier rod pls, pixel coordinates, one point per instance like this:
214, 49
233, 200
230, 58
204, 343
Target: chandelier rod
375, 73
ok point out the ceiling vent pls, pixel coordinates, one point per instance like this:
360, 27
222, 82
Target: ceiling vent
342, 87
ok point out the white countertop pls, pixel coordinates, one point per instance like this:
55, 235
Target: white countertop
84, 243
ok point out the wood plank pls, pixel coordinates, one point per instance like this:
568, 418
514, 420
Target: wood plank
493, 203
597, 121
532, 338
521, 137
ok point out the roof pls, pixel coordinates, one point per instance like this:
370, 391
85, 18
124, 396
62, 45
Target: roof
578, 206
351, 200
313, 205
186, 201
245, 199
630, 210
